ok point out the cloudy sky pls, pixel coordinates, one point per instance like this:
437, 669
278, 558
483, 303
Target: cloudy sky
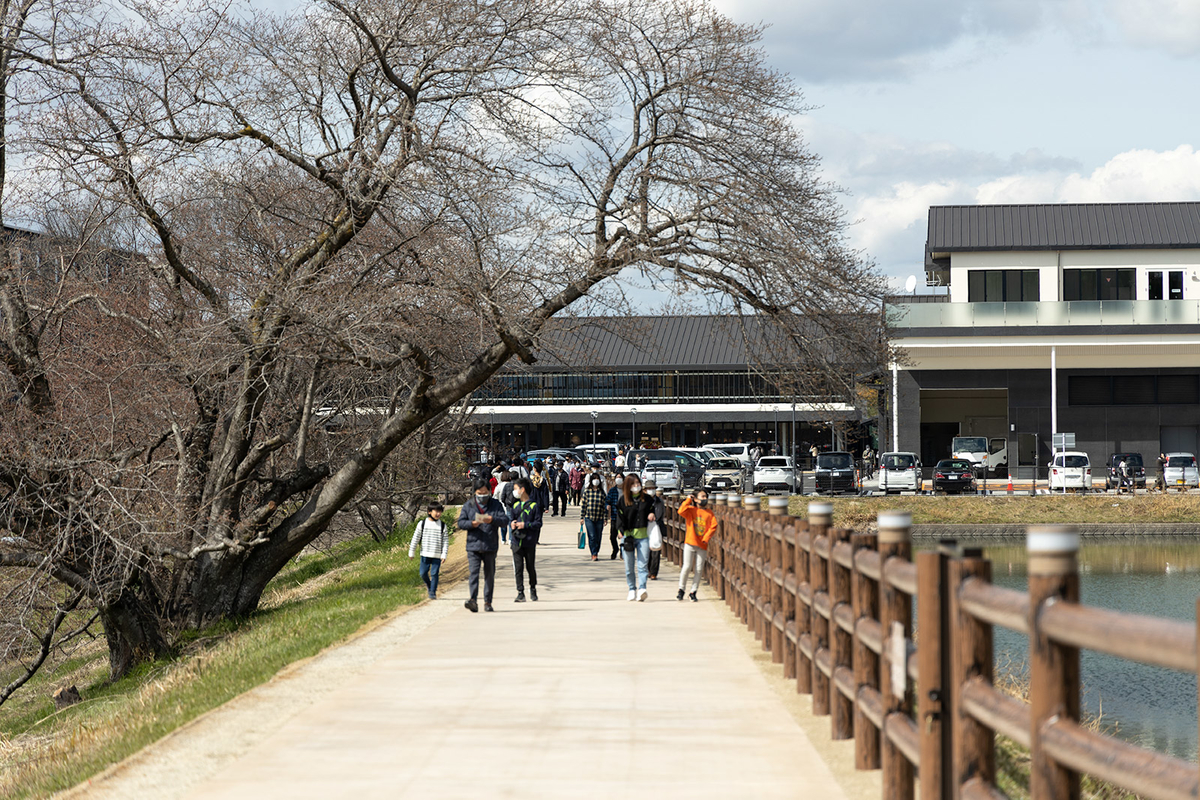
930, 102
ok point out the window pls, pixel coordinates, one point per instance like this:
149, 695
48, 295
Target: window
1099, 284
1133, 390
1175, 280
1156, 286
1002, 285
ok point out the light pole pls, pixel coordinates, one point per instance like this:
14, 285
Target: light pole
633, 436
492, 433
777, 447
594, 415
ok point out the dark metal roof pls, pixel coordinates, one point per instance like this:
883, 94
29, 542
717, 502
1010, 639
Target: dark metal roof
661, 342
1063, 226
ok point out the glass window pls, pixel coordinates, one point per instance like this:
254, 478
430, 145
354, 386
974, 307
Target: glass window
1087, 285
1031, 286
1098, 284
1075, 462
1002, 285
1125, 284
1071, 284
994, 293
975, 286
1155, 280
1176, 285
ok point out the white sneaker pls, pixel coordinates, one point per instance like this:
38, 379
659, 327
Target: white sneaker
642, 595
632, 595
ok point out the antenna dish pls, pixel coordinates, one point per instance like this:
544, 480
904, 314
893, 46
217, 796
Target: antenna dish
910, 284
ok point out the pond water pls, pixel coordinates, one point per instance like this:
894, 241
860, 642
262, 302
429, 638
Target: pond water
1149, 706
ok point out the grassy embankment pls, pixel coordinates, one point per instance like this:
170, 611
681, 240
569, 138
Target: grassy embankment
317, 601
857, 512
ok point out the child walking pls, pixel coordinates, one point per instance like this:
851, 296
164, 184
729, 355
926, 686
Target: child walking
700, 524
433, 540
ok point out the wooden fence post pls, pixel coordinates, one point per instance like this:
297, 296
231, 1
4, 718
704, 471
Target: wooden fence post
933, 660
776, 579
866, 663
895, 618
841, 643
973, 745
820, 516
803, 610
1053, 668
788, 595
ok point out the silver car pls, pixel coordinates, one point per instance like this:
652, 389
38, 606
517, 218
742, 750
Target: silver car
665, 474
1181, 472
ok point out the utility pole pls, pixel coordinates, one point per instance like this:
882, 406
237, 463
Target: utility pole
633, 435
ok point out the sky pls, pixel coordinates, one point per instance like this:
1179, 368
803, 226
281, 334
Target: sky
931, 102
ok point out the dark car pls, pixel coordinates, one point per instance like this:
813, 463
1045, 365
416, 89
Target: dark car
835, 473
1133, 462
690, 467
953, 476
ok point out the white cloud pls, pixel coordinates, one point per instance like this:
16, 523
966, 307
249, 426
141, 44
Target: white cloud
891, 222
1173, 25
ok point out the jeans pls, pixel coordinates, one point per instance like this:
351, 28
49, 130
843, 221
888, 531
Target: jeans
503, 534
595, 529
430, 567
488, 560
524, 558
638, 558
692, 555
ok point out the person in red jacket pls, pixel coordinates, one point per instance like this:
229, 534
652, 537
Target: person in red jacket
701, 525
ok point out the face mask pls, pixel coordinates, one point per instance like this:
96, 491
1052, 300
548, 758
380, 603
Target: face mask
595, 483
482, 499
703, 501
635, 490
651, 492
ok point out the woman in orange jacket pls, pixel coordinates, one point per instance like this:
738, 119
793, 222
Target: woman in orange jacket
701, 525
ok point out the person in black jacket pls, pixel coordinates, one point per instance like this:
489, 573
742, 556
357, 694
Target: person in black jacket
560, 484
526, 530
659, 513
482, 517
635, 510
541, 485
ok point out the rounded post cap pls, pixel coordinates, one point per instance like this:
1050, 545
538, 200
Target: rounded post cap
894, 520
779, 502
820, 509
1052, 539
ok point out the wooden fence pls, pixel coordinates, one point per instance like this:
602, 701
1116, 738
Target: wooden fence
835, 608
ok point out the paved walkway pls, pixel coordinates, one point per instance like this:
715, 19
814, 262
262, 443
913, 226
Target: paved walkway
580, 695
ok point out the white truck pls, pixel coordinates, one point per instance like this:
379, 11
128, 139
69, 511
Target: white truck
989, 456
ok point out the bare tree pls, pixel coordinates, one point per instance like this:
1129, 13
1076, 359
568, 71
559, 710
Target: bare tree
375, 206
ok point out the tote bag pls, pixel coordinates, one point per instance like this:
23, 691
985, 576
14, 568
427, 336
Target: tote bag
582, 536
655, 532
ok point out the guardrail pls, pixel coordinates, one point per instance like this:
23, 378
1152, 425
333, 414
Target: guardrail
835, 608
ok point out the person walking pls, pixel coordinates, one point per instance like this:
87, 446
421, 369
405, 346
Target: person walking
526, 527
614, 527
700, 524
504, 493
560, 484
635, 510
660, 508
541, 485
592, 511
481, 517
575, 477
433, 541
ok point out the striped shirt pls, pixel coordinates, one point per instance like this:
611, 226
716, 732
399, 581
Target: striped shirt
432, 537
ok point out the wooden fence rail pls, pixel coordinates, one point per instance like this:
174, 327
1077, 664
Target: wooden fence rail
835, 608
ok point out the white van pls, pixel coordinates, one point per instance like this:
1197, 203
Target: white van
1071, 470
606, 451
899, 472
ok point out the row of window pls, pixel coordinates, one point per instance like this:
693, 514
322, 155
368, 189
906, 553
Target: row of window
1023, 285
645, 387
1133, 390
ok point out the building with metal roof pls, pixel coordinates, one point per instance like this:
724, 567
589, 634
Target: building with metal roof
681, 380
1052, 318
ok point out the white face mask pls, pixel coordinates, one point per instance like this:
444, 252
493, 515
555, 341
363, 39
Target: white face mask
651, 492
595, 483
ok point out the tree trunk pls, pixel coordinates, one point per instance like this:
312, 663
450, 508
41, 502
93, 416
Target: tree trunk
134, 633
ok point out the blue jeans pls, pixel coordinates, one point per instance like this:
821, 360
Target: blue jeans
640, 558
595, 529
430, 567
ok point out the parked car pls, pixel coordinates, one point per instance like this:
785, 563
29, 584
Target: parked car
774, 473
835, 473
954, 476
549, 454
723, 473
1181, 472
690, 467
741, 450
1133, 462
665, 474
1071, 470
899, 472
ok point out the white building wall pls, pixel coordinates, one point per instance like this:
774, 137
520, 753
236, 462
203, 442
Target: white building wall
1051, 263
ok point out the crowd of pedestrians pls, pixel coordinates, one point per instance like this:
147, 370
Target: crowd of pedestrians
509, 502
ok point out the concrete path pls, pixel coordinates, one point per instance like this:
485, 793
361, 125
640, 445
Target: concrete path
582, 694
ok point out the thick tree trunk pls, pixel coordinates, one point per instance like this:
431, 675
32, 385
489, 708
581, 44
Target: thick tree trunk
134, 633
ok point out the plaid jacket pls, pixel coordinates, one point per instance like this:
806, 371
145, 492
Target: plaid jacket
593, 505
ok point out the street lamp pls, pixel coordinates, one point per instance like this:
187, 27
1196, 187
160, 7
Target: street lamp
633, 437
777, 447
492, 433
594, 415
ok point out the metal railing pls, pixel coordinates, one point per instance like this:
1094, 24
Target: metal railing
835, 608
1047, 313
